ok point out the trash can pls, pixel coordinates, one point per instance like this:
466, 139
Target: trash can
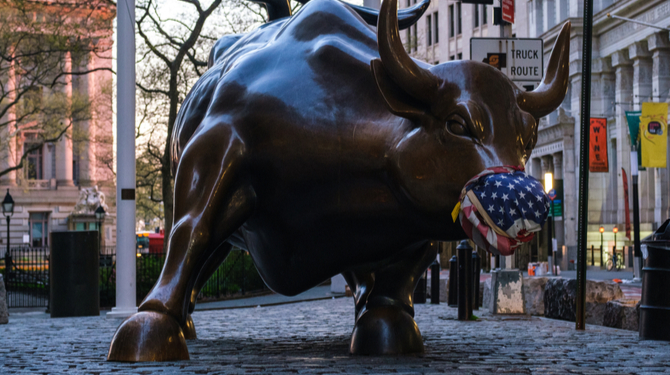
74, 273
655, 303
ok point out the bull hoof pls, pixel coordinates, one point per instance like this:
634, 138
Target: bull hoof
189, 329
386, 330
148, 337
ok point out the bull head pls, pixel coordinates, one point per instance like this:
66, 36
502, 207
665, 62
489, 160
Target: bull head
424, 93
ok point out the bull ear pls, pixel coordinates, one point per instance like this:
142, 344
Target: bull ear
399, 102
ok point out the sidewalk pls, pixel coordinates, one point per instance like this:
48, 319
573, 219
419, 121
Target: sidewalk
313, 337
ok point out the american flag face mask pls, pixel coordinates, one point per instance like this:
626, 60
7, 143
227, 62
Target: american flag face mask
501, 208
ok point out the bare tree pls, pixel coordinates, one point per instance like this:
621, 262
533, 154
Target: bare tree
42, 46
172, 55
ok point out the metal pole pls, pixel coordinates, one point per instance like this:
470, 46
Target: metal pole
636, 212
585, 115
550, 246
126, 256
464, 280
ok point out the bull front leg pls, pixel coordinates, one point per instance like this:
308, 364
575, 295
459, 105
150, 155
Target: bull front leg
210, 205
212, 264
384, 309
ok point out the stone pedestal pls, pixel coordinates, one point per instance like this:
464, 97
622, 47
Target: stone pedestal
624, 314
533, 288
560, 297
4, 314
505, 293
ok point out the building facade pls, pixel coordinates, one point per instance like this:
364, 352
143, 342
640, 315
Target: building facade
61, 183
631, 65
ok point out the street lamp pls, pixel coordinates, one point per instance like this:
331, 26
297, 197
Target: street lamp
100, 216
548, 188
602, 230
8, 211
615, 230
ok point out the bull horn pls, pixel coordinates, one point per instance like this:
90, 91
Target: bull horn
416, 81
551, 92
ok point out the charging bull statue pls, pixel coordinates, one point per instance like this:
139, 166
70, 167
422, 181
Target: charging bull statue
317, 144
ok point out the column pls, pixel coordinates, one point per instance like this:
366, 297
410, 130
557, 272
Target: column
64, 145
549, 11
7, 136
623, 95
642, 65
659, 46
87, 88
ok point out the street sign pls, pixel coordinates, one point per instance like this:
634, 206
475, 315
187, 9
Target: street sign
508, 10
552, 194
521, 59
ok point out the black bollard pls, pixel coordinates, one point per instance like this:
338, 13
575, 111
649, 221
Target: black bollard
464, 280
452, 298
420, 290
476, 267
435, 283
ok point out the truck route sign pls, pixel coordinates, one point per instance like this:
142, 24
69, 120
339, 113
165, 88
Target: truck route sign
521, 59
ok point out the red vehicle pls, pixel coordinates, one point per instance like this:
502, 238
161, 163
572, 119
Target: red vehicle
150, 242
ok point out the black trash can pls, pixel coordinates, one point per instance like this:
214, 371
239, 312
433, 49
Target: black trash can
74, 273
655, 303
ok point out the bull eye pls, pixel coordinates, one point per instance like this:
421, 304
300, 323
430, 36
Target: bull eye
457, 126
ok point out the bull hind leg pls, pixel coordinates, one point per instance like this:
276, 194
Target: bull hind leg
209, 207
212, 264
384, 309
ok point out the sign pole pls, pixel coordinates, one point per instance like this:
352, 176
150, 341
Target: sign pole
126, 304
636, 215
585, 116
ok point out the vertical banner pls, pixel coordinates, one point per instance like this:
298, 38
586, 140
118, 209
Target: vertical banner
508, 10
633, 120
625, 201
654, 134
598, 144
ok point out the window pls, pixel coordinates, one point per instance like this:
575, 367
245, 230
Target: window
451, 21
476, 15
39, 229
460, 56
86, 226
429, 29
409, 32
436, 34
34, 167
415, 41
484, 15
458, 8
452, 57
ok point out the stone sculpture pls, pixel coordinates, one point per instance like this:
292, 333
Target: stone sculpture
317, 144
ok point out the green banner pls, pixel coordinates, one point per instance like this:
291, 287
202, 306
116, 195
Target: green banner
633, 119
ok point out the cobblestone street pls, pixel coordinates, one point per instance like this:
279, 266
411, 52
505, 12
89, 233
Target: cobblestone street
313, 337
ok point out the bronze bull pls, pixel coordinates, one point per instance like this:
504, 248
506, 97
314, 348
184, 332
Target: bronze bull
317, 144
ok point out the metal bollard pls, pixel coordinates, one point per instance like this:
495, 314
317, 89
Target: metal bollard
452, 298
420, 291
476, 267
435, 283
464, 280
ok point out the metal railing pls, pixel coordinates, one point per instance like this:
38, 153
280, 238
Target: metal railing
27, 277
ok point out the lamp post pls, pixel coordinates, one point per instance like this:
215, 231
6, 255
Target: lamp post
100, 217
615, 230
602, 230
548, 188
8, 211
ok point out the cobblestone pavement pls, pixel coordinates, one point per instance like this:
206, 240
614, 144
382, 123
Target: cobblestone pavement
313, 337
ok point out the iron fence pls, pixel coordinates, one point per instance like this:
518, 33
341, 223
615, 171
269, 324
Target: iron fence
27, 276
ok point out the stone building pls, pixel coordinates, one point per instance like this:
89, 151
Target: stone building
631, 65
61, 183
